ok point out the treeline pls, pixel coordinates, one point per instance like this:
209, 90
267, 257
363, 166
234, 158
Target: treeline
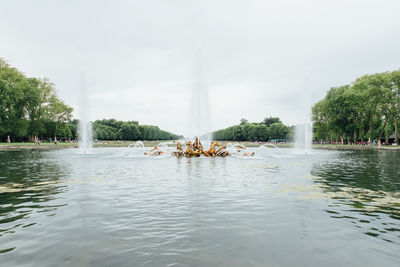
112, 129
367, 109
30, 107
269, 129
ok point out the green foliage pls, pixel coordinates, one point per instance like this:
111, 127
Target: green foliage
73, 126
243, 121
270, 128
271, 120
59, 113
367, 109
13, 90
111, 129
28, 104
278, 130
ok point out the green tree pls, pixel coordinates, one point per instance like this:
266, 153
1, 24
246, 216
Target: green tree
278, 131
395, 107
271, 120
370, 93
59, 113
41, 93
13, 90
129, 131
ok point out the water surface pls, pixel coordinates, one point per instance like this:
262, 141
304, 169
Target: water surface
328, 208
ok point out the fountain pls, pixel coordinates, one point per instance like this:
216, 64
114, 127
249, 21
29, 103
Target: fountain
196, 149
303, 135
268, 150
85, 126
200, 114
138, 144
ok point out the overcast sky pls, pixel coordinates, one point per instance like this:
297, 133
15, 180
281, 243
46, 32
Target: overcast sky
258, 58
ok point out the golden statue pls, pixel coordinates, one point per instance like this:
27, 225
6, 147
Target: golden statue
212, 152
222, 152
179, 151
196, 150
154, 152
189, 150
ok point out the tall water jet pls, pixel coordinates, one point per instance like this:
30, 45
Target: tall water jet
303, 134
85, 126
200, 110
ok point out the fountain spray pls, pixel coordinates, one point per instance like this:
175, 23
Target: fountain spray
85, 126
200, 110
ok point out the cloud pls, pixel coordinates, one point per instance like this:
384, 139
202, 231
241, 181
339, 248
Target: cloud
259, 58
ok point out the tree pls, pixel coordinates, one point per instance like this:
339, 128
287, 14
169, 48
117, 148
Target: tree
369, 90
395, 108
41, 93
251, 132
59, 113
73, 126
13, 99
271, 120
278, 131
372, 102
129, 131
262, 133
243, 121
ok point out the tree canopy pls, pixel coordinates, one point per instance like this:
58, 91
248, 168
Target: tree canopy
30, 106
269, 129
367, 109
112, 129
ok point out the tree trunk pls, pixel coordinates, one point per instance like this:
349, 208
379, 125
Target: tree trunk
396, 133
55, 134
385, 127
355, 139
362, 134
371, 129
387, 135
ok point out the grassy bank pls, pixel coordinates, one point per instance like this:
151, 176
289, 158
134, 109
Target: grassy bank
355, 147
32, 145
27, 145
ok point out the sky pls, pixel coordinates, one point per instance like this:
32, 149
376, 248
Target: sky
257, 58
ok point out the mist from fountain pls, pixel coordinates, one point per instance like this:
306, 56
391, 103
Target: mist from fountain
200, 109
137, 144
85, 126
303, 138
303, 133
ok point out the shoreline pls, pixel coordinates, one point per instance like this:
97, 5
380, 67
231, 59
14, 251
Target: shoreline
354, 147
24, 146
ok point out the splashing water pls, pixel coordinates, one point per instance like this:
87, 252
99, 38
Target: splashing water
200, 110
303, 137
85, 126
138, 144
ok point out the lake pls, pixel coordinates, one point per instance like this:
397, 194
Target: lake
115, 207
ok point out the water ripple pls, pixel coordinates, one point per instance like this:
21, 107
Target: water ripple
111, 209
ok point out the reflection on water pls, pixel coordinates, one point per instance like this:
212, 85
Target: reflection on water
325, 208
28, 182
366, 188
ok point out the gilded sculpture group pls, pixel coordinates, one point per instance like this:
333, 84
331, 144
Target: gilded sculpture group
196, 150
